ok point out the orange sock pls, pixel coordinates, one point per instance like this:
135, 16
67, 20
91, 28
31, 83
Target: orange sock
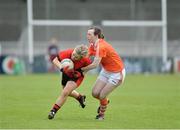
104, 102
103, 105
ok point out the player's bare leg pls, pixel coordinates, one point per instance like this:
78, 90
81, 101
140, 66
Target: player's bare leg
80, 98
70, 86
103, 100
98, 86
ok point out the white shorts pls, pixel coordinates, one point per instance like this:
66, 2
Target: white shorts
113, 78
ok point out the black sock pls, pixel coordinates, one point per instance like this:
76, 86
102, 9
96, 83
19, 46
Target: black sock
55, 108
79, 97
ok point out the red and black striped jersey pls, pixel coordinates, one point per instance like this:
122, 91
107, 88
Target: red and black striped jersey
77, 63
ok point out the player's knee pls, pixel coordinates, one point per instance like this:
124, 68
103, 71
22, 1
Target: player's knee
65, 93
95, 94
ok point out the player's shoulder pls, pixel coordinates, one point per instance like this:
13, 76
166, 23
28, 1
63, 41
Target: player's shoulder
86, 59
67, 51
105, 44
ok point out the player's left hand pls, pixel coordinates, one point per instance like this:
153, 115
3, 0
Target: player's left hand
77, 74
66, 70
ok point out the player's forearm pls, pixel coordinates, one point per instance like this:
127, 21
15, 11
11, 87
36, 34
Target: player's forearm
92, 65
57, 63
89, 67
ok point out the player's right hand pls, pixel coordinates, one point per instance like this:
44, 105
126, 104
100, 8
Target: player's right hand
66, 70
77, 74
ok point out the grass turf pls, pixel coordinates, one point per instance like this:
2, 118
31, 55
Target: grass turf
143, 102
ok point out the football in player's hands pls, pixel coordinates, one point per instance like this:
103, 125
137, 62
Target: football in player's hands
67, 70
67, 63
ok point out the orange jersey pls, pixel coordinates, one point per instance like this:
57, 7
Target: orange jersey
110, 61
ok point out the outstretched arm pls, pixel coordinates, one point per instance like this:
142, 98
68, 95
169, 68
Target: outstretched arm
57, 63
93, 65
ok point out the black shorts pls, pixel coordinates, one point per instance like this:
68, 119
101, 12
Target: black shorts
66, 78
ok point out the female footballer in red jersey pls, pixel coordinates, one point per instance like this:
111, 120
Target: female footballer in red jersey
112, 73
71, 79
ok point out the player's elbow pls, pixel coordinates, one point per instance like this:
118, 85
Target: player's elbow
53, 57
94, 65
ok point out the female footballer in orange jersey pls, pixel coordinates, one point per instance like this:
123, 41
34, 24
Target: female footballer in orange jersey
71, 79
112, 73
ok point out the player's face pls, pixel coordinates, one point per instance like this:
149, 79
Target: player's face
90, 36
75, 56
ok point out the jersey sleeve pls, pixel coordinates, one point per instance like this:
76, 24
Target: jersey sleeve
101, 52
65, 54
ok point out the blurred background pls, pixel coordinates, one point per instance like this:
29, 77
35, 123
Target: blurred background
145, 33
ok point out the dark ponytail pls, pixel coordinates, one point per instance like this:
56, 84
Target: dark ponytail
101, 36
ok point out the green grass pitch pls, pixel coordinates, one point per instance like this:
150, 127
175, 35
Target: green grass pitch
143, 102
